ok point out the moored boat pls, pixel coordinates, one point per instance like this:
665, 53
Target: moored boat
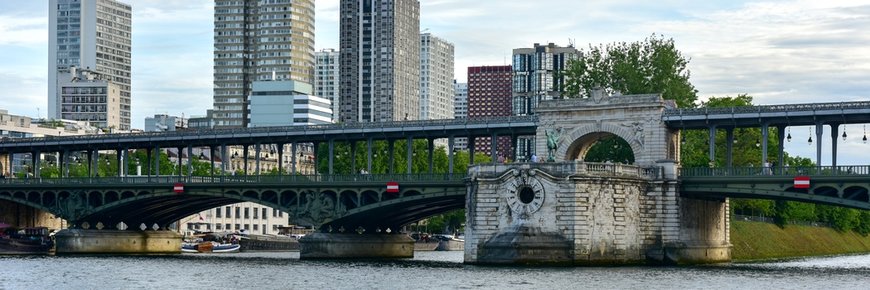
209, 247
25, 241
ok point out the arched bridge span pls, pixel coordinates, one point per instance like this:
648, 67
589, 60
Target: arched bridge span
331, 202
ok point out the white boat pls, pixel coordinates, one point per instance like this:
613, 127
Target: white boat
209, 247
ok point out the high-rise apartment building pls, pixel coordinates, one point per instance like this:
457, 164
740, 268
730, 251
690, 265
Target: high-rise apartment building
380, 60
436, 78
257, 40
537, 77
460, 110
94, 35
489, 95
326, 76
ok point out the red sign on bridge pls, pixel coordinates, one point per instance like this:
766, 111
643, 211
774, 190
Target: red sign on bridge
178, 188
392, 187
802, 182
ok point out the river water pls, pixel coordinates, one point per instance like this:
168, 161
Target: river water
428, 270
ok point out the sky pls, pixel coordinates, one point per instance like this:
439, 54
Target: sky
778, 51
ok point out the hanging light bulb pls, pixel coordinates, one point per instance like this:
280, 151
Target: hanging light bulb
788, 138
683, 140
810, 140
757, 143
844, 132
865, 133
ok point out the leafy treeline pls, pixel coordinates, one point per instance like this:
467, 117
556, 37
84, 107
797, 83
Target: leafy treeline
655, 66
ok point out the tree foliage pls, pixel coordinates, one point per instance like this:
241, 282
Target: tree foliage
651, 66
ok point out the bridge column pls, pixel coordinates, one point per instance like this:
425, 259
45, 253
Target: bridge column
331, 156
90, 155
119, 157
352, 157
292, 158
765, 133
257, 162
211, 150
316, 156
148, 162
369, 158
471, 141
64, 167
431, 147
493, 143
729, 135
392, 157
36, 162
819, 130
409, 151
712, 146
157, 160
189, 162
245, 154
450, 143
780, 160
180, 151
224, 158
835, 130
11, 161
280, 159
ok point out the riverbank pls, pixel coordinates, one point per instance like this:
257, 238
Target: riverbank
763, 241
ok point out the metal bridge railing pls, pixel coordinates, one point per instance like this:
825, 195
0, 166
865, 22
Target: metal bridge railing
776, 171
292, 179
769, 109
260, 130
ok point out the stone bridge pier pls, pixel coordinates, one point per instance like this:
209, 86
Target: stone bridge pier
579, 213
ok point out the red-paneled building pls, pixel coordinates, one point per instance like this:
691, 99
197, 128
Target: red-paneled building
489, 95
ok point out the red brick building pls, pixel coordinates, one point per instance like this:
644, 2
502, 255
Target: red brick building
489, 95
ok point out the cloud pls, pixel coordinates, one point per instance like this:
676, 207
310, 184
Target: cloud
23, 31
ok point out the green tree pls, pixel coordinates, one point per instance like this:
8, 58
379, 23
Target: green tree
651, 66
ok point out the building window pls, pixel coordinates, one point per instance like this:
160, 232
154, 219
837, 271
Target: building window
238, 227
217, 213
247, 213
265, 213
238, 212
229, 213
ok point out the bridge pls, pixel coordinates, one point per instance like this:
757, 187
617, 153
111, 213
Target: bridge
660, 206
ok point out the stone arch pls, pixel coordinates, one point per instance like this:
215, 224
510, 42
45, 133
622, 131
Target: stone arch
577, 142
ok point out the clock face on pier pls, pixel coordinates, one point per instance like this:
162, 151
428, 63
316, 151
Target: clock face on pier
525, 195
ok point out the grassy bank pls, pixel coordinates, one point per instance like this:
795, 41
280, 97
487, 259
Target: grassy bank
759, 241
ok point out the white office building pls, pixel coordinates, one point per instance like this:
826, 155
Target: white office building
86, 95
90, 34
326, 79
287, 103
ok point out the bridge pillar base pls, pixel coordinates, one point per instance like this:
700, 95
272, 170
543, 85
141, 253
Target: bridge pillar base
690, 255
79, 241
350, 246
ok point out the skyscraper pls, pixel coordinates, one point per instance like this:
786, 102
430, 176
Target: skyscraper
257, 40
380, 60
93, 35
537, 77
436, 78
326, 78
489, 95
